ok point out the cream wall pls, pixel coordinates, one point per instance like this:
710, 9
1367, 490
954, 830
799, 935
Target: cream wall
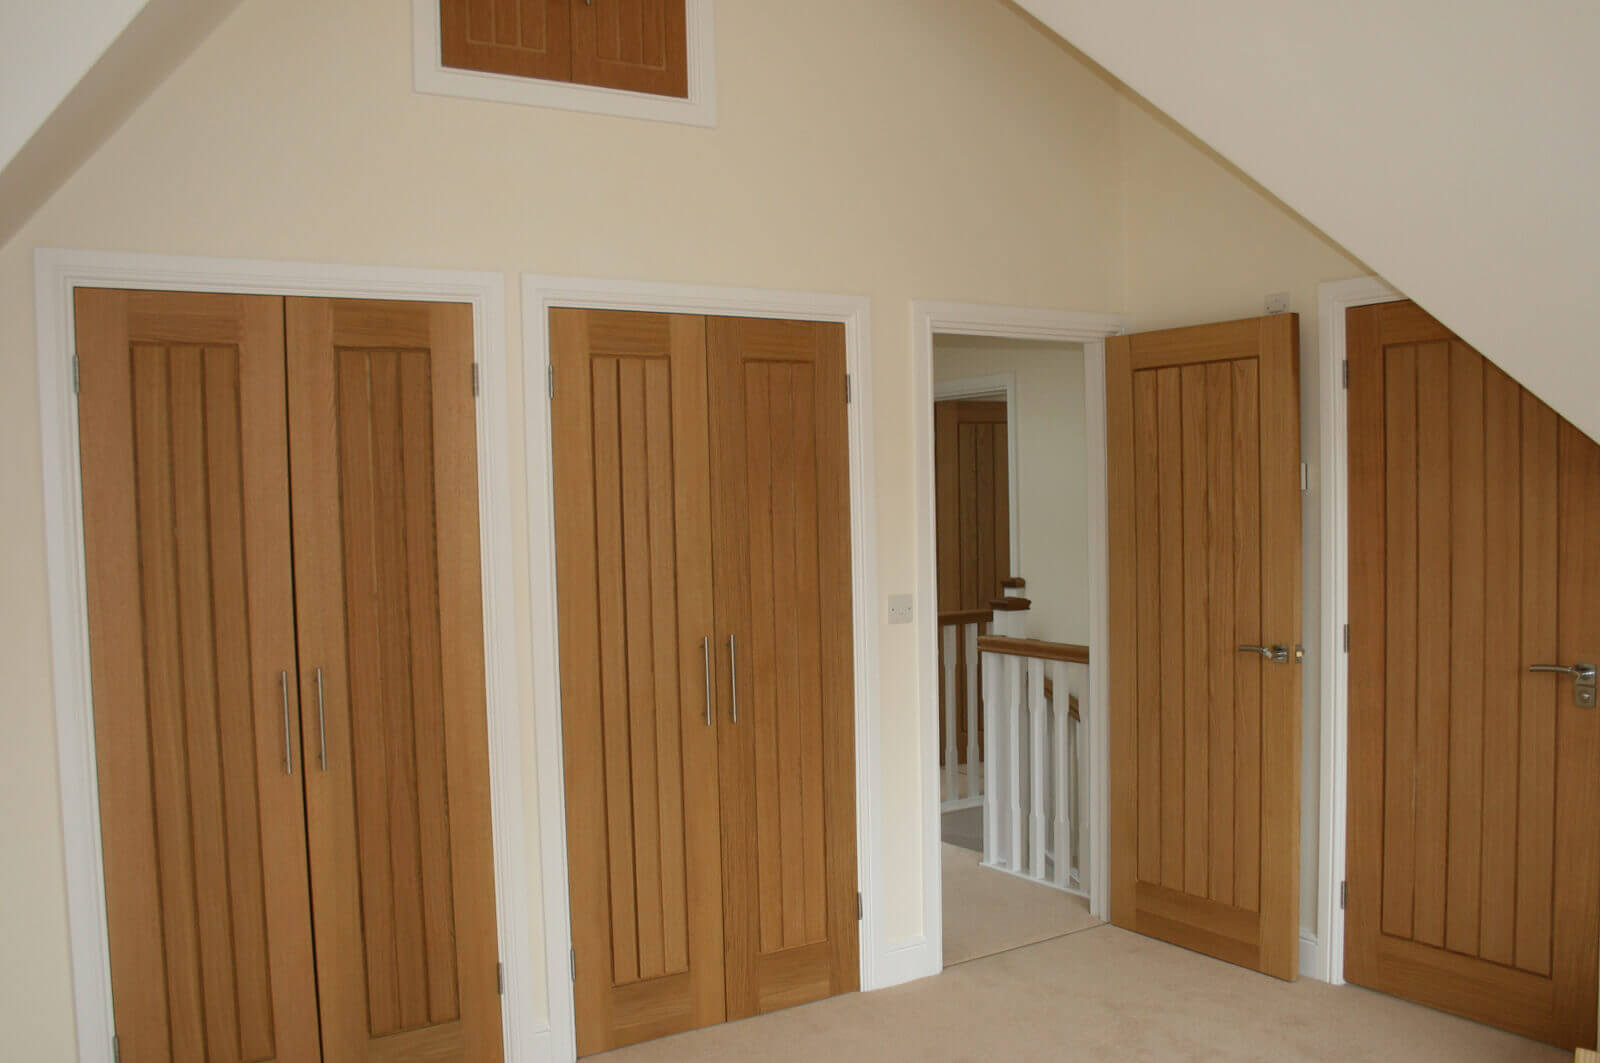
1052, 471
1205, 244
942, 149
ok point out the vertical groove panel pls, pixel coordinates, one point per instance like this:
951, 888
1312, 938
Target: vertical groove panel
1540, 694
967, 461
1247, 630
614, 669
427, 685
1501, 665
1435, 531
1147, 531
1169, 412
1467, 649
641, 679
807, 615
988, 578
236, 723
784, 680
1220, 578
1400, 727
1196, 640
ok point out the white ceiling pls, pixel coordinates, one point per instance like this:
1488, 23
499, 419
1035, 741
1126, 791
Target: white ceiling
1452, 145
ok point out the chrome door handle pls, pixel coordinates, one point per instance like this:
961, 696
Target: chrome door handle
1583, 681
288, 746
1275, 654
733, 676
322, 725
705, 660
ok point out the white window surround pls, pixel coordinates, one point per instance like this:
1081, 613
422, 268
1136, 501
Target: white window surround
431, 76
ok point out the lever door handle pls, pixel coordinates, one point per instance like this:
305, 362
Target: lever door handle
1275, 654
1583, 681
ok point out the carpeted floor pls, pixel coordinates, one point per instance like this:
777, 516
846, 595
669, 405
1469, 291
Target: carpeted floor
1100, 994
987, 911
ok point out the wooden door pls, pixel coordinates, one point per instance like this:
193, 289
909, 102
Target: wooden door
524, 38
383, 452
639, 731
1474, 829
1204, 458
972, 469
191, 636
634, 45
780, 481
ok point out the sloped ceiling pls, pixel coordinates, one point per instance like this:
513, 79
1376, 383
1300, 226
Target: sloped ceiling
1453, 145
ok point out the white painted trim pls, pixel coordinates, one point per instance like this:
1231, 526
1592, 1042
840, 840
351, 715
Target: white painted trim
430, 75
56, 274
1333, 299
882, 963
970, 319
1005, 386
1310, 956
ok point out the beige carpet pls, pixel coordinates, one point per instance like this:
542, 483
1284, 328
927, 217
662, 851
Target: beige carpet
986, 911
1101, 994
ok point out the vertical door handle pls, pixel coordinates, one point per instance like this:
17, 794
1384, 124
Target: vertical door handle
322, 725
705, 661
733, 675
288, 746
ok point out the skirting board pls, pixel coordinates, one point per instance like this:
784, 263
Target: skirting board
909, 960
1310, 956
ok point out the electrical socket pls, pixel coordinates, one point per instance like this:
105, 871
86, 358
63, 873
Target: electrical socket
899, 608
1278, 303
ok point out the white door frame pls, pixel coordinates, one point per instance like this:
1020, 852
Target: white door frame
1004, 387
969, 319
1333, 299
539, 295
56, 274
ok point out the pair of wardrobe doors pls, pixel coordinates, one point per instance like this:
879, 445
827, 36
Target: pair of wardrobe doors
703, 580
286, 644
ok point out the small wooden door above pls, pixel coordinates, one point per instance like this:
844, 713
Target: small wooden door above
1474, 830
1204, 458
972, 466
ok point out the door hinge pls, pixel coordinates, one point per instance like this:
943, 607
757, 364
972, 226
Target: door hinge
500, 978
1342, 895
476, 383
77, 381
1347, 374
858, 905
550, 380
1347, 638
847, 396
116, 1049
572, 961
1305, 478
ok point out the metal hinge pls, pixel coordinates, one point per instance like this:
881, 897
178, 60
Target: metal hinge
550, 380
847, 397
476, 383
77, 382
116, 1042
1347, 638
858, 905
500, 978
1305, 478
1347, 374
1341, 895
572, 960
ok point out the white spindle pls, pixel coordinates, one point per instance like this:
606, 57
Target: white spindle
1037, 777
948, 791
994, 734
1078, 680
1061, 709
970, 642
1013, 713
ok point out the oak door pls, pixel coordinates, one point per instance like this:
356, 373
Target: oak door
972, 469
639, 730
191, 640
1474, 830
383, 455
780, 483
1204, 454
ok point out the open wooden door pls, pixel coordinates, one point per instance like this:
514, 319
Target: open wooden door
1474, 838
1203, 438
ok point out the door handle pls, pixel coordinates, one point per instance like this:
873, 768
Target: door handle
322, 726
1583, 681
1276, 654
705, 661
733, 676
288, 741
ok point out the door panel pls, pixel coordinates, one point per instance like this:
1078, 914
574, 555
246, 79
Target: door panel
780, 475
388, 599
635, 45
186, 518
525, 38
972, 459
633, 561
1203, 437
1474, 840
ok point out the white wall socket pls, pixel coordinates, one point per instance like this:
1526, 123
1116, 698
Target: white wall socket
899, 608
1278, 303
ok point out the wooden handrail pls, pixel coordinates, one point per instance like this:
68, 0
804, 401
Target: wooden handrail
1010, 605
966, 616
1013, 582
1045, 651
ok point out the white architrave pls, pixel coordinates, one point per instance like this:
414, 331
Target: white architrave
880, 965
56, 274
925, 953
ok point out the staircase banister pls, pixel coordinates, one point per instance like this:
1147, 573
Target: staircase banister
1045, 651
